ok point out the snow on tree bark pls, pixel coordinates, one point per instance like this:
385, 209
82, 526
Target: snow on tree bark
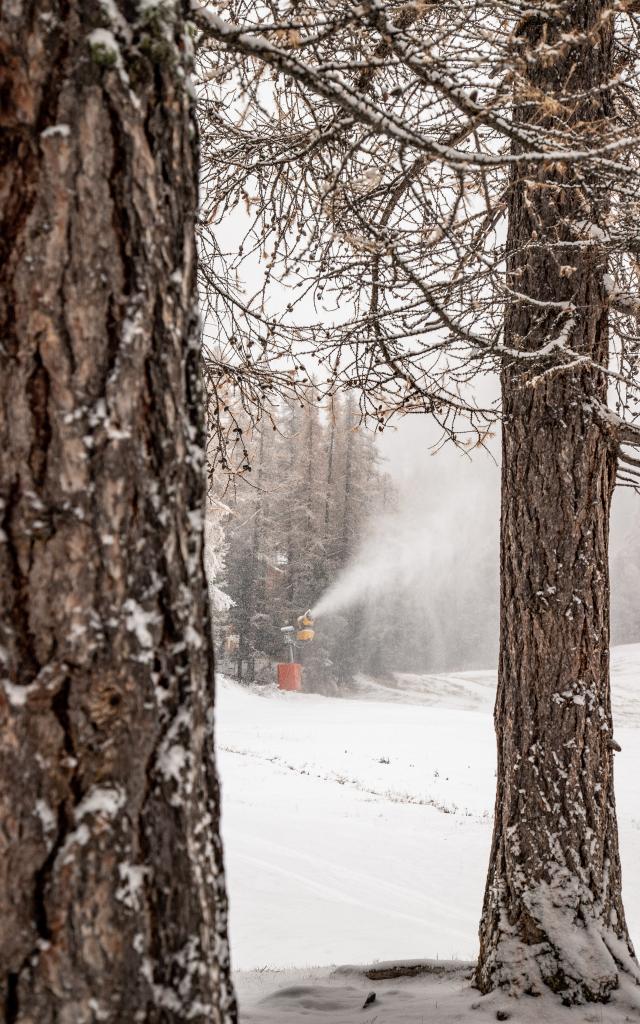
553, 913
112, 895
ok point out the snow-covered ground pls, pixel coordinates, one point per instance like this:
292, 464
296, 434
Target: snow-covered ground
439, 995
358, 830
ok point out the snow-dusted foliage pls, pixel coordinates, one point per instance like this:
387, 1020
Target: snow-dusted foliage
365, 150
214, 555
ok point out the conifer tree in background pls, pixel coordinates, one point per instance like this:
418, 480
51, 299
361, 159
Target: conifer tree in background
294, 523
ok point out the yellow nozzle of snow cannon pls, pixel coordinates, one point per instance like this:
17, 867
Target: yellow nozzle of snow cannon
305, 633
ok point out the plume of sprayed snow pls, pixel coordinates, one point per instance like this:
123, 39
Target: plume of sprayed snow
438, 550
399, 554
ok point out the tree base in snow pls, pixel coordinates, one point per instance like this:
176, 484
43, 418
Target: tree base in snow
580, 965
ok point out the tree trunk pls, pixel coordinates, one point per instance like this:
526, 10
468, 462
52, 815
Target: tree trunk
553, 914
329, 493
112, 896
346, 533
257, 545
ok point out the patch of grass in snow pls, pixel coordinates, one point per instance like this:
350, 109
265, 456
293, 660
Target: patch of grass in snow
392, 796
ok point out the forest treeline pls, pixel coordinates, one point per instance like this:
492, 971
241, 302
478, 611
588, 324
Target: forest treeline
289, 526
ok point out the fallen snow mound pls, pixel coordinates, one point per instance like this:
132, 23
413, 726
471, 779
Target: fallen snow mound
432, 992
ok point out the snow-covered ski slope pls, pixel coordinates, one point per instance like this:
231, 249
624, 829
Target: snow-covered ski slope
358, 830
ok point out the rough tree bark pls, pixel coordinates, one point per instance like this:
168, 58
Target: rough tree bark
112, 897
553, 914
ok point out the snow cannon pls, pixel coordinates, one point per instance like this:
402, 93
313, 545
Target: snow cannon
290, 672
305, 630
